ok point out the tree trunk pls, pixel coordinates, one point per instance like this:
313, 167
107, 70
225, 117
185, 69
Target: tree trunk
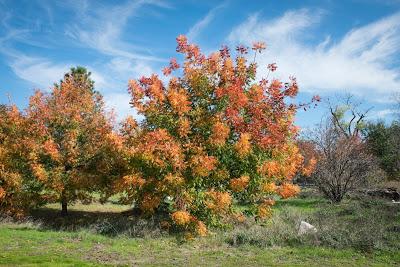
64, 204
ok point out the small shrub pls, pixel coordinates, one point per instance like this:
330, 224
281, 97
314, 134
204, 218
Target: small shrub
362, 225
309, 192
281, 230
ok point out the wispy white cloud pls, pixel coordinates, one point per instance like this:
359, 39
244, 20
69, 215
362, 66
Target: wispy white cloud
384, 113
119, 102
40, 72
118, 71
101, 28
43, 72
124, 68
289, 26
360, 62
200, 25
98, 27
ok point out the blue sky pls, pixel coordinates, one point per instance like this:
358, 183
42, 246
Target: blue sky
332, 47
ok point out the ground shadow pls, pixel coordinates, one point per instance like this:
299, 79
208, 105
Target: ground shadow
106, 223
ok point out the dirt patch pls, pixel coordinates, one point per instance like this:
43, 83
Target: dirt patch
100, 254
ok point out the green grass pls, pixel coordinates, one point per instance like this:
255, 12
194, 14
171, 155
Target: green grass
100, 235
304, 205
93, 207
21, 245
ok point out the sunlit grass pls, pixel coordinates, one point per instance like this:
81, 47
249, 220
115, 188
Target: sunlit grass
25, 246
92, 207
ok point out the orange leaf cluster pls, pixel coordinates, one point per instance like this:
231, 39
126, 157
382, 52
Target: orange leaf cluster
133, 180
183, 127
269, 188
310, 167
243, 146
2, 193
179, 101
160, 148
51, 149
239, 184
219, 134
174, 180
181, 217
149, 202
287, 190
39, 172
270, 169
239, 217
202, 165
265, 208
218, 202
201, 228
264, 211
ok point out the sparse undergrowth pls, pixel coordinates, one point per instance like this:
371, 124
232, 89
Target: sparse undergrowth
366, 226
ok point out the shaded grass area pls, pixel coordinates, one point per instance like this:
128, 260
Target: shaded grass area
354, 233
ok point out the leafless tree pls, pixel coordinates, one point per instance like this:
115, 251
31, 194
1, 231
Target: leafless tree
344, 163
347, 116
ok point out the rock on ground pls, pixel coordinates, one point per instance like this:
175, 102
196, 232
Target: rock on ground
306, 228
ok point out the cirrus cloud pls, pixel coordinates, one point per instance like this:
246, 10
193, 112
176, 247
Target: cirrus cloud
360, 62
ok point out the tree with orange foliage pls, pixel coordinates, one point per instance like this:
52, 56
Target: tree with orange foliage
211, 135
75, 134
310, 153
19, 190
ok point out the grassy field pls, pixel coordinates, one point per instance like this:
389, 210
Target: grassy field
97, 235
